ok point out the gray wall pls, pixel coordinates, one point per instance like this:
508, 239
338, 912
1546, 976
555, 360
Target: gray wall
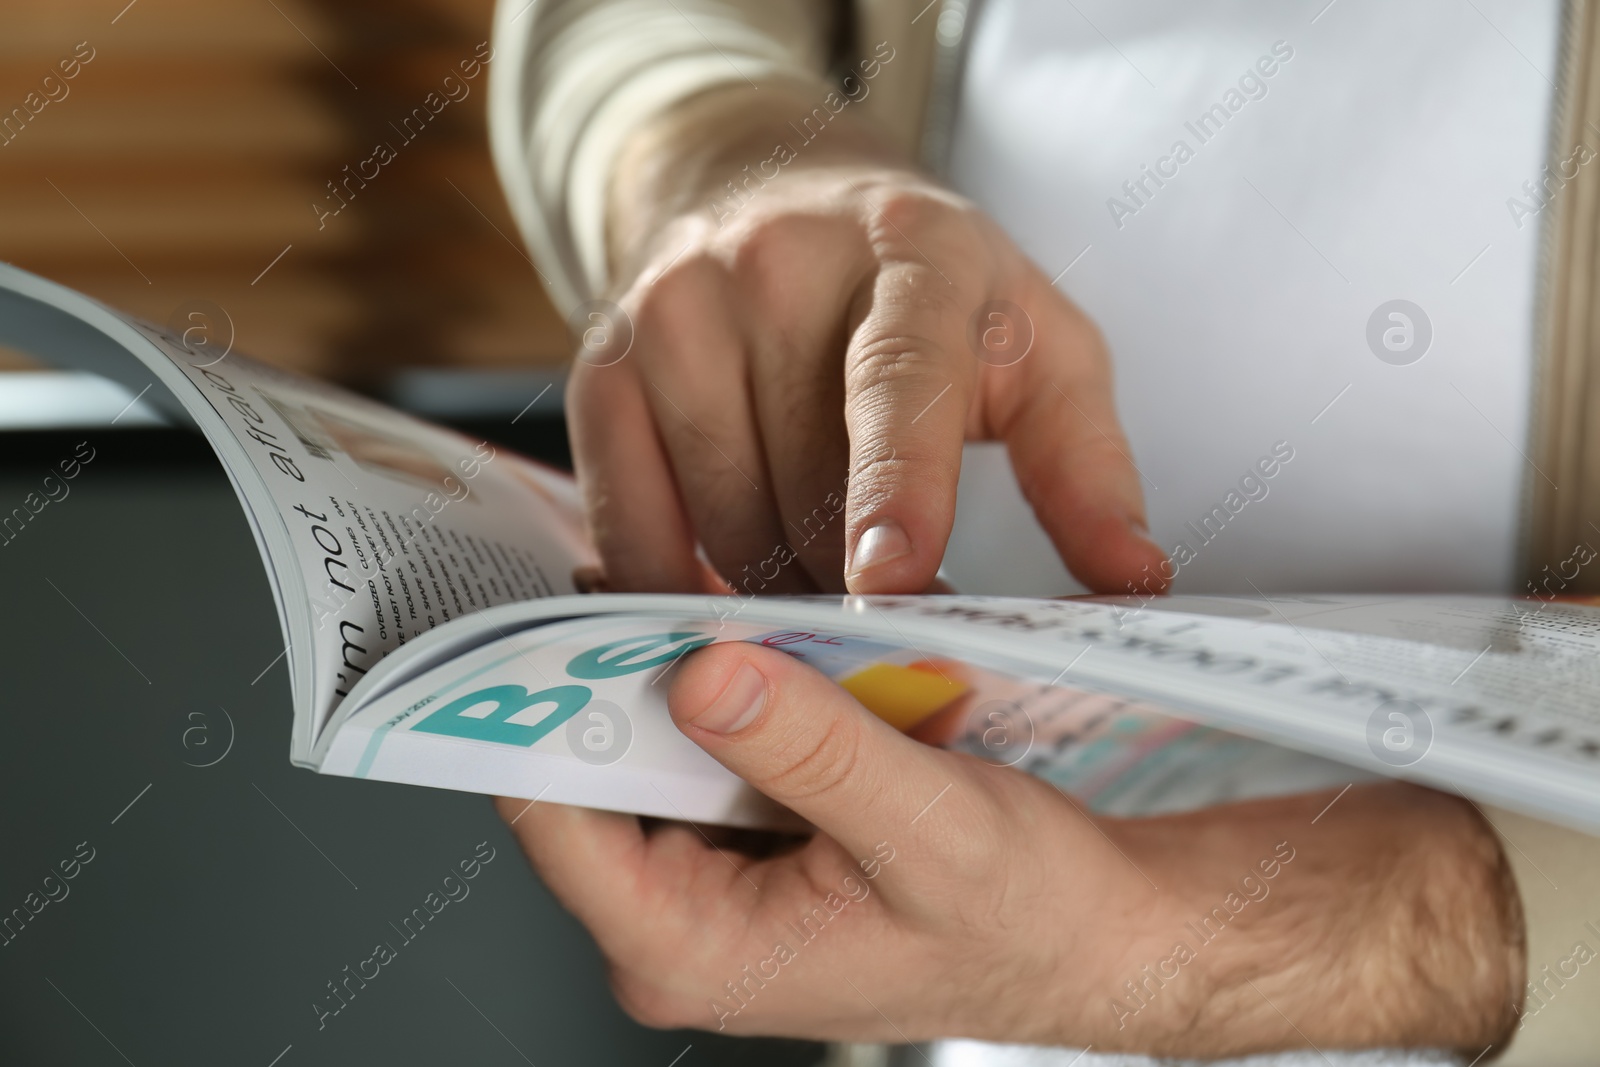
218, 906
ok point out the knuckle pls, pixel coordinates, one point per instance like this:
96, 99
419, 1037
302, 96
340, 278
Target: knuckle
885, 361
813, 765
905, 221
908, 334
921, 292
668, 299
770, 256
911, 208
788, 262
772, 239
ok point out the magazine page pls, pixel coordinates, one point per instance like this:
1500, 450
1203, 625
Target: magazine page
1515, 720
375, 527
575, 712
1495, 698
398, 526
1525, 670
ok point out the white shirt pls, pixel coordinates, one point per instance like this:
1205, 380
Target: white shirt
1374, 163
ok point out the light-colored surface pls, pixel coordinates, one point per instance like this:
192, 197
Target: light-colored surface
58, 400
1236, 299
997, 547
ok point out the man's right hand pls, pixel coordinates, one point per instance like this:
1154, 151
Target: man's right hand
972, 900
808, 357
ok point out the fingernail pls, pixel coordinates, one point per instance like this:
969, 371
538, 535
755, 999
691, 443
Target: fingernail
881, 544
739, 704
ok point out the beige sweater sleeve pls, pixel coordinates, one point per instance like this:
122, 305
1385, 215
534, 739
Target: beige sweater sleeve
1557, 872
571, 79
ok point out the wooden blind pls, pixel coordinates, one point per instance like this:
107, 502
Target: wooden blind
181, 161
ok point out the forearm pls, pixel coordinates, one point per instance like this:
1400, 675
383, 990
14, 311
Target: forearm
1389, 920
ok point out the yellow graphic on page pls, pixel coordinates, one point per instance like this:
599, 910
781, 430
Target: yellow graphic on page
895, 684
902, 696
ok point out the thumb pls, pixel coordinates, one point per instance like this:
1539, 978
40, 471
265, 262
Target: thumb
806, 743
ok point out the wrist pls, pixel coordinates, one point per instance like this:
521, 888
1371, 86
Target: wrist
1389, 921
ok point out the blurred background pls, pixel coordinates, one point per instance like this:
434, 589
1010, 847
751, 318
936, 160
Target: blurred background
148, 706
188, 152
147, 716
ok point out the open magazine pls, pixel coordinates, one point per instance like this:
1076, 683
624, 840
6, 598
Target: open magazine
429, 590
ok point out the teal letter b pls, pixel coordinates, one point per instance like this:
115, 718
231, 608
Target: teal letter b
452, 720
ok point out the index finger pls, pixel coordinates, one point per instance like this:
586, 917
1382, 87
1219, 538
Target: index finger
908, 388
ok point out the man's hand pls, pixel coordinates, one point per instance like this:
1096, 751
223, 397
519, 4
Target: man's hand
945, 897
808, 356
